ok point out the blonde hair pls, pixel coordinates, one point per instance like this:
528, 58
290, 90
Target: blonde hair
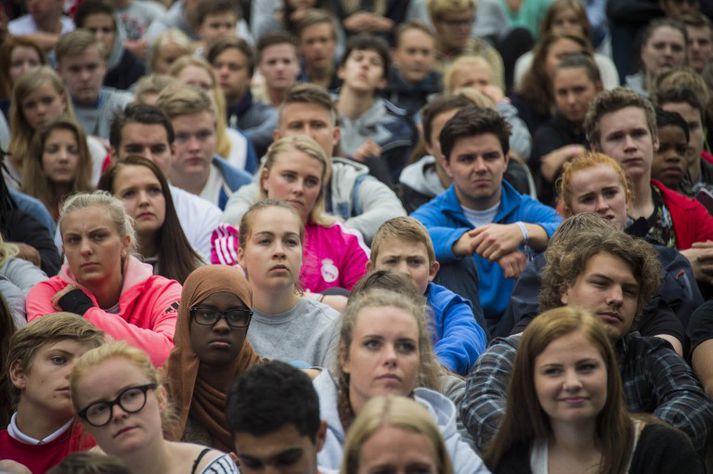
152, 84
7, 250
76, 43
438, 8
22, 132
404, 229
311, 148
468, 61
182, 99
222, 145
172, 36
397, 412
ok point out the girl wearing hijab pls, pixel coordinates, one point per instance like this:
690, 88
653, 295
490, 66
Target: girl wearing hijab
210, 351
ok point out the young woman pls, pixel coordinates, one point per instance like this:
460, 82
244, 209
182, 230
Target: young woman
166, 48
59, 164
117, 394
17, 55
37, 99
285, 325
210, 352
144, 190
533, 97
384, 349
566, 412
103, 282
663, 48
295, 171
230, 143
395, 434
575, 83
569, 17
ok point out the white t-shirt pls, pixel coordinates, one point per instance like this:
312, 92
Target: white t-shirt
25, 25
198, 219
480, 218
211, 190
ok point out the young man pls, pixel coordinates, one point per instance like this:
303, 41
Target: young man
622, 124
669, 165
195, 167
685, 102
372, 127
146, 131
273, 413
82, 65
700, 40
216, 19
317, 38
453, 20
413, 78
403, 245
278, 64
44, 23
123, 68
612, 275
480, 214
43, 430
362, 201
234, 63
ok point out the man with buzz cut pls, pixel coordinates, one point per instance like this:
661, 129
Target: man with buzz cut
480, 215
593, 267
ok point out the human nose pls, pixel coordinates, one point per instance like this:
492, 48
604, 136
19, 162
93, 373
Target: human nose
602, 204
389, 355
479, 165
629, 142
615, 296
118, 415
85, 247
572, 383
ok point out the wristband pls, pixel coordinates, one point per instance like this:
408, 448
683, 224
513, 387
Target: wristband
523, 230
76, 301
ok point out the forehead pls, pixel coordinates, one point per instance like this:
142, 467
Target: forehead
392, 246
192, 121
46, 88
666, 33
381, 320
232, 55
86, 219
623, 119
414, 37
570, 75
193, 71
129, 175
672, 133
89, 55
684, 109
369, 53
99, 18
564, 46
483, 142
272, 444
134, 132
609, 265
24, 51
323, 29
298, 160
276, 220
279, 50
597, 176
303, 111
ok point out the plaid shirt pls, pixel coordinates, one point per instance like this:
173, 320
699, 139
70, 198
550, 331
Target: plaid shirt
656, 381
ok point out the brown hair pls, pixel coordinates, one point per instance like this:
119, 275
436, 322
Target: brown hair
607, 102
404, 229
76, 43
6, 49
246, 222
525, 420
557, 7
308, 93
224, 44
438, 8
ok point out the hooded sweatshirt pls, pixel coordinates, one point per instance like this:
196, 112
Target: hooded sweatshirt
123, 68
465, 460
147, 311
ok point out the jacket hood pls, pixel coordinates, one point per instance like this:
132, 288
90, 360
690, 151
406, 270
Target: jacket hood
118, 49
135, 272
442, 409
421, 176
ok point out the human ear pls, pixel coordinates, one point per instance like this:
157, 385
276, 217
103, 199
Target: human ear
18, 377
433, 270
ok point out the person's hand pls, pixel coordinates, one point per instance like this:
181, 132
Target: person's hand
700, 256
493, 92
57, 296
553, 161
493, 241
367, 149
8, 466
29, 253
513, 264
463, 247
139, 48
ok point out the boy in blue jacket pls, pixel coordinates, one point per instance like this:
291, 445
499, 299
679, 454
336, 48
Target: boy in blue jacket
402, 244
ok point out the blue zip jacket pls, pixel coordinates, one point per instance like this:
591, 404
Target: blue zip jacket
233, 177
446, 223
458, 339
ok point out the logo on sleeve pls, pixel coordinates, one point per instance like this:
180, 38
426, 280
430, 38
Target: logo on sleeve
330, 272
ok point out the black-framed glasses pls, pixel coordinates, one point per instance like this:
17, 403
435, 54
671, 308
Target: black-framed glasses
131, 400
207, 316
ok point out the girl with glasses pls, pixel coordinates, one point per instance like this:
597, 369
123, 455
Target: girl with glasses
117, 395
210, 352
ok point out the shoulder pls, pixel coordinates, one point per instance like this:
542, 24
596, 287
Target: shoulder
210, 460
319, 310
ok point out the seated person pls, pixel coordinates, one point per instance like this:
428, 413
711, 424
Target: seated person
671, 157
90, 462
273, 415
17, 277
403, 245
413, 79
278, 65
317, 39
119, 374
103, 282
210, 351
81, 62
44, 24
372, 127
234, 61
481, 216
285, 325
567, 371
41, 356
612, 275
389, 327
123, 68
214, 20
700, 335
166, 48
294, 171
195, 167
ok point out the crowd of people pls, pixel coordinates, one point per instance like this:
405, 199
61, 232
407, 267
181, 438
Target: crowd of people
389, 236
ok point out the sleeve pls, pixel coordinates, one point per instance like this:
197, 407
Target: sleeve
700, 326
23, 274
22, 227
704, 229
238, 204
378, 204
535, 212
485, 397
680, 400
625, 10
546, 140
462, 339
442, 235
524, 304
356, 256
658, 318
15, 299
157, 338
39, 299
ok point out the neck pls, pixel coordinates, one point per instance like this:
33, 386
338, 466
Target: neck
275, 301
153, 458
107, 293
694, 170
36, 422
642, 203
574, 437
275, 96
320, 76
479, 205
147, 245
352, 104
194, 184
50, 24
217, 377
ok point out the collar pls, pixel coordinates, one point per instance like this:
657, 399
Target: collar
14, 432
509, 201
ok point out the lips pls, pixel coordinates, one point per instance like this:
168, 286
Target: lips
88, 265
393, 378
279, 269
123, 431
220, 344
145, 215
610, 317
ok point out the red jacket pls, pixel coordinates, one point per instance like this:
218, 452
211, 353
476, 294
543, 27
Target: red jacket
147, 308
691, 221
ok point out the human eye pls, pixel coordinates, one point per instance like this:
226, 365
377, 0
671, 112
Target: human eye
133, 149
288, 459
127, 194
415, 261
610, 193
318, 125
182, 137
391, 261
204, 135
491, 156
74, 150
372, 344
52, 148
295, 126
154, 190
71, 240
312, 182
406, 347
100, 236
288, 176
250, 462
631, 291
158, 149
58, 359
130, 395
292, 241
587, 367
465, 159
552, 371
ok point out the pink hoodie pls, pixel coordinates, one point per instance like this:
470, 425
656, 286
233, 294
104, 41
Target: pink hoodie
148, 307
332, 256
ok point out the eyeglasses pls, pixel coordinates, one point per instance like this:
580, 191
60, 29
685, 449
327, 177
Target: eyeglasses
131, 400
206, 316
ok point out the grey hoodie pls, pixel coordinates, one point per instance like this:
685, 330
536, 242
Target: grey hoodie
464, 459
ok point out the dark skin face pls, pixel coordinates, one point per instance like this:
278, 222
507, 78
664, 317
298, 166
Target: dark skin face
218, 345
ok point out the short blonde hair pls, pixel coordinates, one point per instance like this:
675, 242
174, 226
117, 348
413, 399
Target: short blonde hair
438, 8
405, 229
182, 99
398, 412
77, 42
467, 61
152, 84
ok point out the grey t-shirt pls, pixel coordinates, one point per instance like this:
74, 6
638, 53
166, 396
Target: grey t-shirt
304, 333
